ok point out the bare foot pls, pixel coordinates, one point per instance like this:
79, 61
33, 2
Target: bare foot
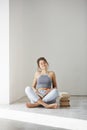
52, 106
30, 105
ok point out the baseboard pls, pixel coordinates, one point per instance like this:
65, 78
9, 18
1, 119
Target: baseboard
78, 95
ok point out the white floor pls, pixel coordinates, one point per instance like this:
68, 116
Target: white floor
17, 125
71, 118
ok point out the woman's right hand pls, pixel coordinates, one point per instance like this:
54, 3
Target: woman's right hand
37, 92
39, 95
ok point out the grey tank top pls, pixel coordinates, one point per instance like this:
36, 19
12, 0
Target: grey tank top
44, 81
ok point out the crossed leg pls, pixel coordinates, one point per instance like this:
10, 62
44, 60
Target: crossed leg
37, 100
40, 102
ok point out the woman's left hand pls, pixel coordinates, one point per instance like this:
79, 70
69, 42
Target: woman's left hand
47, 91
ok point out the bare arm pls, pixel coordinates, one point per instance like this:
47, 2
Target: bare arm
34, 85
54, 80
34, 82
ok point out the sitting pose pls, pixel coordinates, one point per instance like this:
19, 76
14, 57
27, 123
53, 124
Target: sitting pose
44, 88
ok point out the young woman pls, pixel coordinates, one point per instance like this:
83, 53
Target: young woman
44, 88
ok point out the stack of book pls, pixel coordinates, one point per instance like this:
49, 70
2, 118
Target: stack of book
64, 100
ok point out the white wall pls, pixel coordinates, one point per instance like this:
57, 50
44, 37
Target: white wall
18, 72
55, 29
4, 51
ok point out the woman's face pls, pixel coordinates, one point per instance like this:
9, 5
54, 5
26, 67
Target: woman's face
43, 65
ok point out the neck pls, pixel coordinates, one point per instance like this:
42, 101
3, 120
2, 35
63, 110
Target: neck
44, 72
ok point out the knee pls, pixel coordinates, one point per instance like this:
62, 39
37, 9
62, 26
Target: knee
27, 89
55, 91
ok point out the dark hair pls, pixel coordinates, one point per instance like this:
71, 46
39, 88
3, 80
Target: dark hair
41, 58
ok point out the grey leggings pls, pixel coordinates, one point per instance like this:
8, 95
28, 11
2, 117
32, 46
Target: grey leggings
33, 97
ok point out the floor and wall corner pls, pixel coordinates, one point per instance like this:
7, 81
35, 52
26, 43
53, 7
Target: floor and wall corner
56, 30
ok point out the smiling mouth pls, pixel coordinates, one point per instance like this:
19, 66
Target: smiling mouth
43, 66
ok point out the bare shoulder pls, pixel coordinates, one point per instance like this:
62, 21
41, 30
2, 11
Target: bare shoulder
37, 73
52, 73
